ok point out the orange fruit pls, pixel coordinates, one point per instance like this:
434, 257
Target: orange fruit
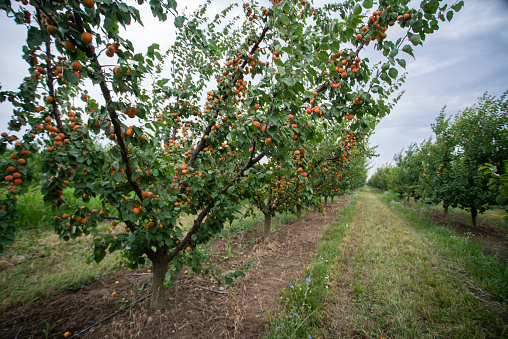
69, 45
86, 38
51, 29
88, 3
76, 66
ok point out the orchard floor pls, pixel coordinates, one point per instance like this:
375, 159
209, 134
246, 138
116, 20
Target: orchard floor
196, 307
493, 238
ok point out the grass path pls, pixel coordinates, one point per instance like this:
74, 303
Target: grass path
389, 281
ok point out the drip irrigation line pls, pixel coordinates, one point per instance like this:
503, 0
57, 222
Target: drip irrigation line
178, 281
109, 316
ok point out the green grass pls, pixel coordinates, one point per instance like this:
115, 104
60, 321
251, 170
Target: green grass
34, 213
492, 216
486, 271
40, 265
405, 280
304, 301
383, 273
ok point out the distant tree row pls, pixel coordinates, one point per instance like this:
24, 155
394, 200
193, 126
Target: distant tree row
446, 169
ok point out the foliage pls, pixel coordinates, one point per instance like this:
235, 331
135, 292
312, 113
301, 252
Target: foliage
387, 178
152, 154
499, 181
446, 170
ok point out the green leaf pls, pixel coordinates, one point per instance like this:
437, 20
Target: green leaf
179, 20
274, 118
449, 15
402, 62
118, 177
458, 6
408, 49
172, 4
385, 77
393, 73
357, 9
299, 87
368, 3
282, 70
70, 76
35, 37
309, 94
415, 39
5, 4
288, 81
230, 189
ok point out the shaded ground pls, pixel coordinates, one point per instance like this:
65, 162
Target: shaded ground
493, 238
196, 308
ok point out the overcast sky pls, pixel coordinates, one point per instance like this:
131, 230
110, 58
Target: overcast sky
456, 65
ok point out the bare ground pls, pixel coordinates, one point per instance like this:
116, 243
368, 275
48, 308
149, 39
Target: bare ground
196, 307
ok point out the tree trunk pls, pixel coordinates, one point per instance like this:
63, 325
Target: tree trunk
268, 224
299, 210
474, 215
326, 201
160, 268
446, 212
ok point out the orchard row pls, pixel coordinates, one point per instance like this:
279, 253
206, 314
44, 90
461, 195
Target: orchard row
449, 169
274, 108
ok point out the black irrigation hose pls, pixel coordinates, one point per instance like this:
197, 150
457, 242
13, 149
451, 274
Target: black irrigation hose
178, 281
110, 316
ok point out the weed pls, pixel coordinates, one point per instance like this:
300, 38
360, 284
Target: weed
49, 328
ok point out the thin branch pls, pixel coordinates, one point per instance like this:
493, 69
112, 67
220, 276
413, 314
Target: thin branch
108, 217
197, 223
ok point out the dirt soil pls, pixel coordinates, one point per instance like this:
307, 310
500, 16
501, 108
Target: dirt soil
196, 307
492, 238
